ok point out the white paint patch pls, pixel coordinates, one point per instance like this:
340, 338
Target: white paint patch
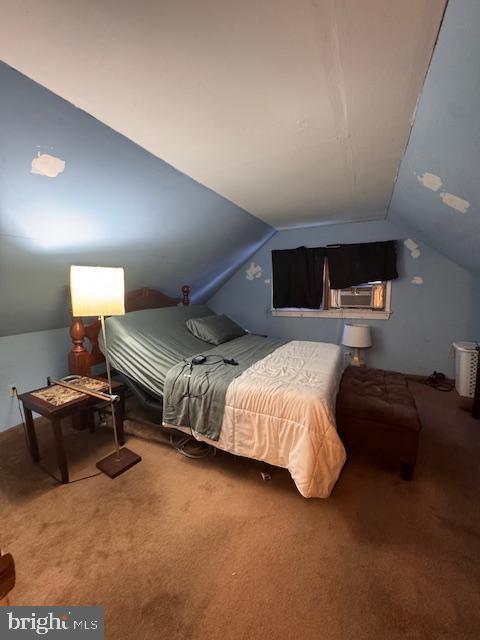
46, 165
412, 246
417, 280
267, 281
430, 181
253, 271
455, 202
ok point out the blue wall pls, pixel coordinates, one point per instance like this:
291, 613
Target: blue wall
114, 204
426, 318
26, 360
445, 141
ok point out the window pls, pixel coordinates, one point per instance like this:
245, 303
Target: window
369, 300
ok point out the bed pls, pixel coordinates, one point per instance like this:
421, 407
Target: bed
279, 408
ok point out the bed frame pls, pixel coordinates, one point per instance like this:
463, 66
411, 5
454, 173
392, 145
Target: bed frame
81, 359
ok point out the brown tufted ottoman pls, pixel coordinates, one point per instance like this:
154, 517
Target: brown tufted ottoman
376, 413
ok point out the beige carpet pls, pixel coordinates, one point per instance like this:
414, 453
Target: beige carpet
204, 549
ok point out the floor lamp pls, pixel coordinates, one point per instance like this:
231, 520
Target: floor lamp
100, 291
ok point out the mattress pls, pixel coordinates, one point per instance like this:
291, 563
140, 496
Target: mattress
144, 345
282, 410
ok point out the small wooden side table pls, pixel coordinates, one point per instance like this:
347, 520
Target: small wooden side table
54, 414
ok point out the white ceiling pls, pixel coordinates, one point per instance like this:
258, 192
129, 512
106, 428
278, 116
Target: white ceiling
297, 110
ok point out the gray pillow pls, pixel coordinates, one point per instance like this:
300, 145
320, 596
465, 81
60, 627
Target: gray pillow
214, 329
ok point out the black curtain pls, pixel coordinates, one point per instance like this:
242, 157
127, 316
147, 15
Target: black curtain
353, 264
298, 278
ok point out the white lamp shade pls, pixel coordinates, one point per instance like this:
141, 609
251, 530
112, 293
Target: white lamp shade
97, 291
357, 335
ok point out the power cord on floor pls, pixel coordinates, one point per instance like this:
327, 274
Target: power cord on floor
440, 382
27, 444
187, 445
200, 449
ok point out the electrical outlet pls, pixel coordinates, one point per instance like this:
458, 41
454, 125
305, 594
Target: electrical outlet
12, 390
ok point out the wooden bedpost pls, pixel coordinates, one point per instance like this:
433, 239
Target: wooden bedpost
186, 295
78, 358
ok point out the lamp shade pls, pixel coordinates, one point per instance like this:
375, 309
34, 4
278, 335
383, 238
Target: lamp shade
97, 291
357, 335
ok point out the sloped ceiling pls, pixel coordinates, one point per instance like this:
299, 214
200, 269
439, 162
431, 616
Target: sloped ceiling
437, 194
299, 112
111, 203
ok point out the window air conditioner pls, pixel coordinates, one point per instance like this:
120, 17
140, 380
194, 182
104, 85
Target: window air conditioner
369, 296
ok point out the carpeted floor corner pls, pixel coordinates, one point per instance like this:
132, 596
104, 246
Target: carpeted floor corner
204, 549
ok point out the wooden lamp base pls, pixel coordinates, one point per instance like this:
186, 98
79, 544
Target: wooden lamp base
116, 464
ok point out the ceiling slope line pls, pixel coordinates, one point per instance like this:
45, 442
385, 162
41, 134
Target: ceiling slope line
414, 114
349, 152
209, 290
331, 60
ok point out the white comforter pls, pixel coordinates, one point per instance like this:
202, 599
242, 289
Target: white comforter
282, 410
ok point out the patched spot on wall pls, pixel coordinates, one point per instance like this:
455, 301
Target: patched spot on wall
46, 165
417, 280
455, 202
430, 181
412, 246
253, 271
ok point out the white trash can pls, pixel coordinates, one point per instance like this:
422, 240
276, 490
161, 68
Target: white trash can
466, 362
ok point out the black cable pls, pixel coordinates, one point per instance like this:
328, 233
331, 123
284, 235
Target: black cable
47, 471
206, 378
188, 395
180, 446
204, 449
22, 418
440, 382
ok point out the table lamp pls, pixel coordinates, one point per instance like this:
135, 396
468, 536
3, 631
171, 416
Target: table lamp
100, 291
357, 336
